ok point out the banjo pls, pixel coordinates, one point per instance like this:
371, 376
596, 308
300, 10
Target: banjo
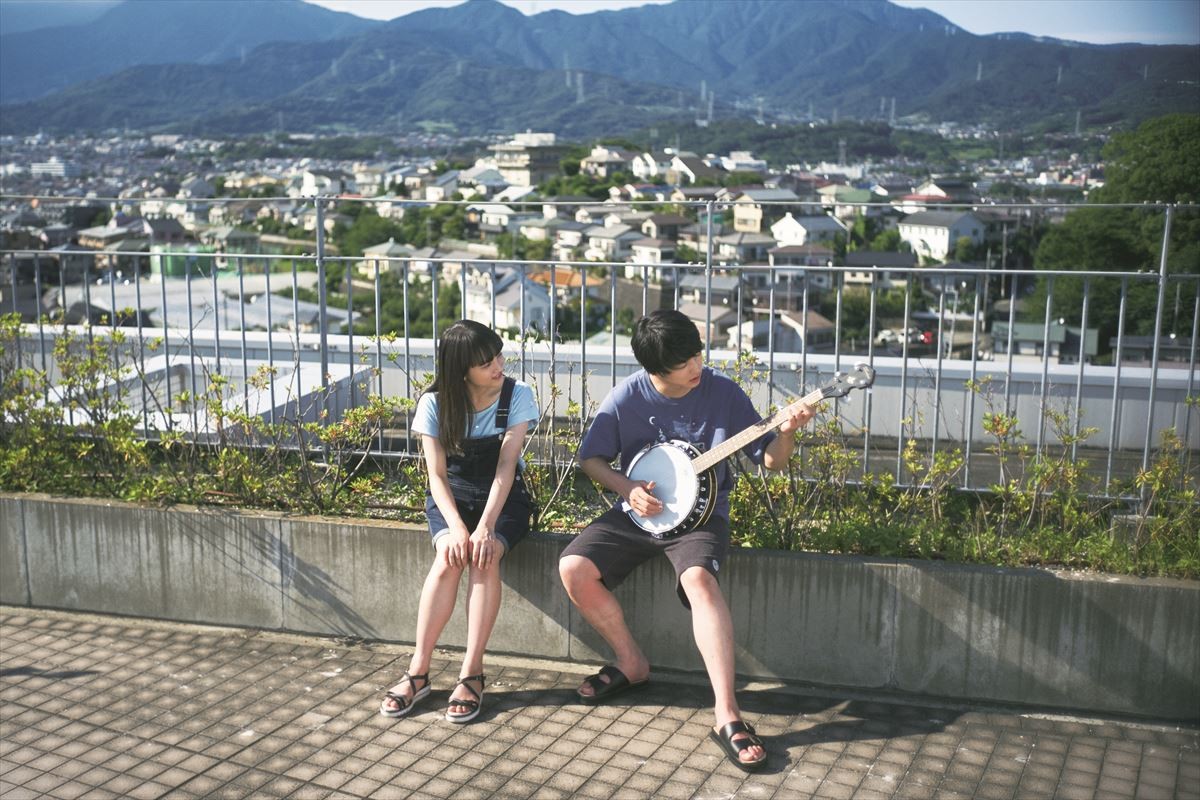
685, 478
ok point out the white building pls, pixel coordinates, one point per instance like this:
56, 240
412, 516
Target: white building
934, 234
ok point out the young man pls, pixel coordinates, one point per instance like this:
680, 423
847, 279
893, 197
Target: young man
674, 396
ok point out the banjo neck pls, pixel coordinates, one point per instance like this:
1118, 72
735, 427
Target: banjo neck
738, 441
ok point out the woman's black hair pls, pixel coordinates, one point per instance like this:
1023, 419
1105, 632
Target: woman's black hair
463, 345
664, 339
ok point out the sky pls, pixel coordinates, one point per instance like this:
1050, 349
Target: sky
1094, 21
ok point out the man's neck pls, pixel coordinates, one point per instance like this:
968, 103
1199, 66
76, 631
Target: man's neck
672, 392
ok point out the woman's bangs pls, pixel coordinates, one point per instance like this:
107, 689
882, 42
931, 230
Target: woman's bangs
484, 352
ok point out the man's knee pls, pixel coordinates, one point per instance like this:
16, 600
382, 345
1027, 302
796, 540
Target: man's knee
698, 584
577, 571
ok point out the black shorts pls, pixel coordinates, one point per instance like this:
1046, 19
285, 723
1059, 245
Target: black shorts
615, 545
470, 497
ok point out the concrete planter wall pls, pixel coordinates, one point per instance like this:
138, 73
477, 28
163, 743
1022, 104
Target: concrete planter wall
1080, 642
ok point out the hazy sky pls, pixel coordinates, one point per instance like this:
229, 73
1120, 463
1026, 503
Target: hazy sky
1096, 21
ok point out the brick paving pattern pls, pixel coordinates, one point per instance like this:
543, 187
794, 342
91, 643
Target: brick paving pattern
102, 707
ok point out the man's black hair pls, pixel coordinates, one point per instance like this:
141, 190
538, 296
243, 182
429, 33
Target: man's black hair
665, 339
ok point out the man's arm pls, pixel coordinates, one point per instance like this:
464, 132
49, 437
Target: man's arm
779, 451
636, 493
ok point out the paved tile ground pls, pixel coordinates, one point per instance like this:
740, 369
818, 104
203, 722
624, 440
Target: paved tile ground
103, 707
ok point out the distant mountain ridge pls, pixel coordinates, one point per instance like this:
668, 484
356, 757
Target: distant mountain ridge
34, 63
484, 67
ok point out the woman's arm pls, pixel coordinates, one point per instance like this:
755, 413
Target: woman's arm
458, 553
482, 539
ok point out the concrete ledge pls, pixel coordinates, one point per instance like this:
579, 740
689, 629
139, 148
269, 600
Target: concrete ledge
1036, 637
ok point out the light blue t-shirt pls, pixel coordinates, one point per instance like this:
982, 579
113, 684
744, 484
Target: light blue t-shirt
523, 408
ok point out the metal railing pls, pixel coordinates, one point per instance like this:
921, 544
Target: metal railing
187, 320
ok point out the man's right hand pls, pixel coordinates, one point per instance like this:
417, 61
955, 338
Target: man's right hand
642, 501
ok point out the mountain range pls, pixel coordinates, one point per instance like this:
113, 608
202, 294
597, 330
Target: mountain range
482, 67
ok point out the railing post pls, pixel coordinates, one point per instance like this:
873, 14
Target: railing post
708, 266
322, 302
1158, 319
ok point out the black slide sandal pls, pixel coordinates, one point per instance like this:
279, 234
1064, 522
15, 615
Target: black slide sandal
733, 749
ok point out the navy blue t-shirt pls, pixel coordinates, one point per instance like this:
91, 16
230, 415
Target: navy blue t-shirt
635, 414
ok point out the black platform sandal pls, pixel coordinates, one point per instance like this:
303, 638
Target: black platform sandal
405, 703
472, 706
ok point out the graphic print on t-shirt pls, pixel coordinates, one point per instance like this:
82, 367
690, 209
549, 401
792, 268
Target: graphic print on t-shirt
690, 430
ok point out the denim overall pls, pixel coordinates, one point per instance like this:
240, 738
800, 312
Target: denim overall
470, 474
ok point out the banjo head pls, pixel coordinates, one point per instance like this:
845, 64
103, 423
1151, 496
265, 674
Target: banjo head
669, 465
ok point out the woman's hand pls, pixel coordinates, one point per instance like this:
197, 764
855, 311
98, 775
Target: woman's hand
642, 501
457, 551
486, 549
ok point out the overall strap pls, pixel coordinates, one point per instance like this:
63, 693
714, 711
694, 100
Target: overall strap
506, 393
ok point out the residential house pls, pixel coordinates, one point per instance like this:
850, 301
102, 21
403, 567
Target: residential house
754, 205
723, 289
651, 164
633, 219
788, 332
953, 190
713, 322
695, 235
384, 259
846, 202
695, 194
101, 236
497, 219
742, 161
664, 226
606, 161
933, 235
657, 192
811, 262
441, 187
564, 283
163, 230
1030, 338
805, 230
690, 169
903, 263
1173, 351
324, 182
647, 258
389, 206
539, 229
370, 179
565, 206
610, 243
196, 188
912, 203
481, 181
240, 212
228, 242
529, 158
570, 237
743, 248
518, 303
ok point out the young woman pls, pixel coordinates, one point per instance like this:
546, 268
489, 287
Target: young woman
472, 423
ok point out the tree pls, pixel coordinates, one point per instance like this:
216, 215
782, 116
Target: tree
1157, 163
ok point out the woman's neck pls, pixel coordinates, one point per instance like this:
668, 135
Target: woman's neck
482, 396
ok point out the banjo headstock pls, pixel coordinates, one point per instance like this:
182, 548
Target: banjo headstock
862, 376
